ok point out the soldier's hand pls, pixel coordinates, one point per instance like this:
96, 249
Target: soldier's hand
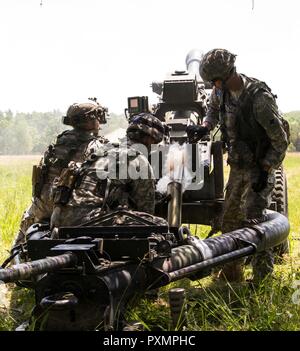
196, 133
261, 182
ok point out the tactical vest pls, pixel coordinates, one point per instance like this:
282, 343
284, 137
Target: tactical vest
107, 193
70, 145
248, 130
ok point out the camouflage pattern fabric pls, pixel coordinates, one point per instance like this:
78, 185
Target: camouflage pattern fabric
71, 145
39, 211
262, 264
217, 64
93, 196
79, 114
25, 271
264, 112
123, 217
148, 124
241, 202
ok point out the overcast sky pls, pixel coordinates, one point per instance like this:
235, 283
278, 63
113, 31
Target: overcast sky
68, 50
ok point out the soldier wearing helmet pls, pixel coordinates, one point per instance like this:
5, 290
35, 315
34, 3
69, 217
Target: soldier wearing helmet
71, 145
118, 177
86, 116
146, 129
256, 139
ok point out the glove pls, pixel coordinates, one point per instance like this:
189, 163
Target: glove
196, 133
261, 182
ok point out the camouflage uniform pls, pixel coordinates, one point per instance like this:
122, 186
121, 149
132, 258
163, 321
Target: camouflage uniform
105, 183
91, 192
71, 145
253, 131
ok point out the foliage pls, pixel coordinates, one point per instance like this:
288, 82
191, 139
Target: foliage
15, 193
294, 121
31, 133
210, 305
218, 306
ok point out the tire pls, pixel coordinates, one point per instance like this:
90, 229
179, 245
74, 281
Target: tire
280, 197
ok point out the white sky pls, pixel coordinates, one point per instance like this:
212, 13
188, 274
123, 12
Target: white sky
68, 50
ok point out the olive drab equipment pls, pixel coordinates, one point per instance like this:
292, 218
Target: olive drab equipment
250, 134
148, 124
78, 114
40, 172
115, 193
86, 276
68, 146
65, 184
217, 64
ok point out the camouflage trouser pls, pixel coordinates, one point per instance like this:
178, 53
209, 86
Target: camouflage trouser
80, 215
242, 203
40, 210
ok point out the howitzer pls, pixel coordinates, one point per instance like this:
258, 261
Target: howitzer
182, 99
85, 278
183, 102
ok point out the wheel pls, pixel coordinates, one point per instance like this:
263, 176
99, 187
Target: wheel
280, 198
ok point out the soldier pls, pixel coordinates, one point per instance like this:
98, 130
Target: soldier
71, 145
256, 138
119, 177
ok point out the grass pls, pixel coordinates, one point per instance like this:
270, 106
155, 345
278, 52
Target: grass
209, 305
15, 195
214, 305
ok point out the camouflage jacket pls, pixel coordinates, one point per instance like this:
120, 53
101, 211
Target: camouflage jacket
116, 176
250, 123
71, 145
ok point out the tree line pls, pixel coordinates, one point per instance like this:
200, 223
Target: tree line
31, 133
294, 121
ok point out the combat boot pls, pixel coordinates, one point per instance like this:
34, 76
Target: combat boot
232, 272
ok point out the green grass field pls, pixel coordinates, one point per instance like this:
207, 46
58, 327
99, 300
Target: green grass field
210, 305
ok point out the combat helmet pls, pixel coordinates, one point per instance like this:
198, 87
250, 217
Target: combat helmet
146, 123
217, 64
79, 114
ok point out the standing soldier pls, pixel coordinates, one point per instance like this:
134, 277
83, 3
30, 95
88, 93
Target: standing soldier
117, 177
71, 145
256, 137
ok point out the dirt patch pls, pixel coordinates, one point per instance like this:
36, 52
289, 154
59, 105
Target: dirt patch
13, 159
294, 154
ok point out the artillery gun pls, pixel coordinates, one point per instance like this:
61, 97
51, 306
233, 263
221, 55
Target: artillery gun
85, 276
183, 101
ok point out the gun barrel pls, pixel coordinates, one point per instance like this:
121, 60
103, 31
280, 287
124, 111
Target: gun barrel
200, 255
192, 61
26, 270
174, 207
